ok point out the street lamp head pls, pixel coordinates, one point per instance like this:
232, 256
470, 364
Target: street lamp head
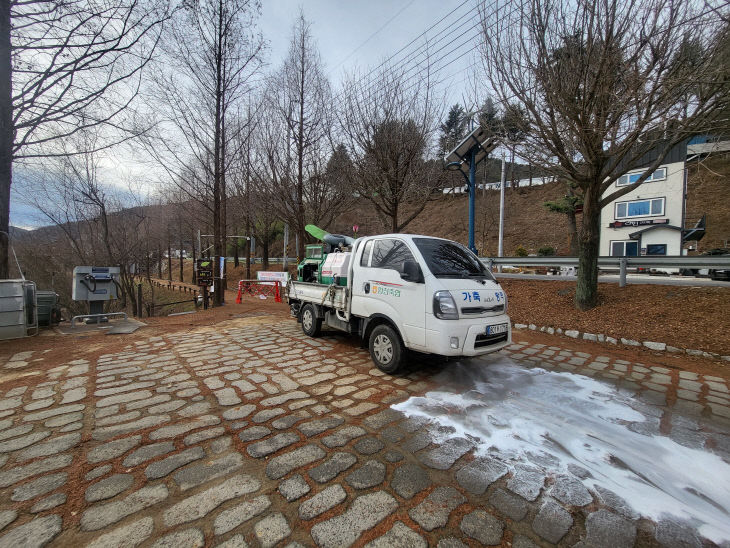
454, 166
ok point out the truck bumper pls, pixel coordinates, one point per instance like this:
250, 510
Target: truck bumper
471, 335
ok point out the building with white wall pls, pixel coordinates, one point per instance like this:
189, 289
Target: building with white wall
649, 220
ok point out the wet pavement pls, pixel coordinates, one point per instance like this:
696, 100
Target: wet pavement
250, 434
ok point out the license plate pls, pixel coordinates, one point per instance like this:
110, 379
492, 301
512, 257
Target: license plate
497, 329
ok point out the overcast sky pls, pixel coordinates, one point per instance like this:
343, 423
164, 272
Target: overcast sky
361, 34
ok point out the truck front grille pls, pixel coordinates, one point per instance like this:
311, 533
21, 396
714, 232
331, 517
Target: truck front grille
482, 309
488, 340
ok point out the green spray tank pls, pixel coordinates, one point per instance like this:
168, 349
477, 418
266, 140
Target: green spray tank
326, 262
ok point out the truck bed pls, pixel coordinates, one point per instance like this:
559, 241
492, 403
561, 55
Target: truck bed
334, 296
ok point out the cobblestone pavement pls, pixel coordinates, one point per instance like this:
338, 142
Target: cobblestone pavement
251, 434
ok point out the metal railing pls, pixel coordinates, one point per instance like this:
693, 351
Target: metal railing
621, 263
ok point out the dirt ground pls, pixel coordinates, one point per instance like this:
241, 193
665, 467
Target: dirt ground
685, 317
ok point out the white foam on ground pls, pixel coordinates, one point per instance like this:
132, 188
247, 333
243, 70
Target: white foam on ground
513, 411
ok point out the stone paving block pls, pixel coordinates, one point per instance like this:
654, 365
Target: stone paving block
163, 467
360, 409
418, 441
674, 532
272, 445
197, 474
236, 541
343, 436
227, 397
444, 456
16, 431
570, 491
194, 409
37, 532
112, 449
328, 470
272, 529
19, 473
187, 538
39, 486
254, 433
281, 465
241, 513
322, 502
50, 447
365, 512
409, 480
383, 418
482, 527
521, 541
607, 530
286, 422
126, 536
435, 509
399, 536
201, 504
106, 432
552, 521
294, 488
7, 517
283, 398
372, 473
197, 437
616, 503
392, 434
479, 474
510, 505
317, 426
148, 452
22, 441
109, 487
49, 502
175, 430
393, 456
100, 516
451, 542
368, 445
527, 482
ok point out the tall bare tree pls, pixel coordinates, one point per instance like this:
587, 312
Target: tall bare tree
212, 52
390, 127
601, 83
301, 97
66, 67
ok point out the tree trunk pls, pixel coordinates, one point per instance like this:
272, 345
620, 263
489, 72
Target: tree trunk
6, 136
169, 258
586, 290
235, 249
159, 262
265, 251
182, 279
195, 281
248, 250
574, 247
217, 160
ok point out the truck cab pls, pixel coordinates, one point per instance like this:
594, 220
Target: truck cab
410, 292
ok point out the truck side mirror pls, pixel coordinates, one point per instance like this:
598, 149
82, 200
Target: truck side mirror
411, 272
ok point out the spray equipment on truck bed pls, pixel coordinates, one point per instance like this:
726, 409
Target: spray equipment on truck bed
326, 263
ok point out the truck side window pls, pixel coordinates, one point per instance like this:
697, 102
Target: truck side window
365, 257
390, 254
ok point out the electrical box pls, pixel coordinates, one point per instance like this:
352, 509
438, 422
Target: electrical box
95, 283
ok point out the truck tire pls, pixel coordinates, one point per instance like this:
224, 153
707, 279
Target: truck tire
311, 324
386, 349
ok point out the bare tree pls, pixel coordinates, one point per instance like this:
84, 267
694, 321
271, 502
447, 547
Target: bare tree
390, 126
67, 67
300, 97
212, 53
601, 84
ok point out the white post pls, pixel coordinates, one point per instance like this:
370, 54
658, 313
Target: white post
500, 250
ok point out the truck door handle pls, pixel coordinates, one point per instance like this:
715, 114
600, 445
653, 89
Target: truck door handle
366, 287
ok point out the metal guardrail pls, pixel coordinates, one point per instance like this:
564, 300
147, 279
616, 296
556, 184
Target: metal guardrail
720, 262
666, 261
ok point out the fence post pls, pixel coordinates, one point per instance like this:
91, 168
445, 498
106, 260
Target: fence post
139, 300
622, 272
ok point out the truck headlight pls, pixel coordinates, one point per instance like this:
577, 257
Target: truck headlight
444, 306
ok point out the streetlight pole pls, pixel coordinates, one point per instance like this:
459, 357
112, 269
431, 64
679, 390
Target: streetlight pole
500, 250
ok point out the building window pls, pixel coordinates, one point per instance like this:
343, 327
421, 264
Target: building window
630, 178
656, 249
629, 248
640, 208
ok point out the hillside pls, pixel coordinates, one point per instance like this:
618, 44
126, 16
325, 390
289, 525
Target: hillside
707, 193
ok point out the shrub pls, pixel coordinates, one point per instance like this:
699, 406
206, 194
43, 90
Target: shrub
546, 251
520, 251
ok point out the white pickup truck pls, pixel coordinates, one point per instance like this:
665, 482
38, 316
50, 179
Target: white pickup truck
412, 292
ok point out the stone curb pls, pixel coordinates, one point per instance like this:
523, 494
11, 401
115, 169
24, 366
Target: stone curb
601, 338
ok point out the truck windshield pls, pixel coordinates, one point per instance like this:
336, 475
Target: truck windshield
447, 259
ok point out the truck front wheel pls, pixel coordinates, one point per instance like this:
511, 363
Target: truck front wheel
311, 324
386, 350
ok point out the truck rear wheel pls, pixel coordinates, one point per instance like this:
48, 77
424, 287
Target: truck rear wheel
311, 324
386, 350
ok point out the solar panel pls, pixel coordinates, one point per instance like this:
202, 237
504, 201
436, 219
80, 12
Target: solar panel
484, 140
